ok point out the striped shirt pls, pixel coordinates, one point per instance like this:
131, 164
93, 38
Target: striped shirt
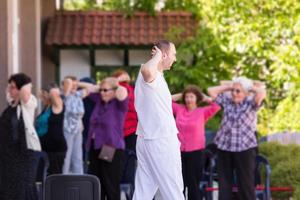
237, 131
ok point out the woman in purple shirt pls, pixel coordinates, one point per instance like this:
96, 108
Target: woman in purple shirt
236, 139
106, 130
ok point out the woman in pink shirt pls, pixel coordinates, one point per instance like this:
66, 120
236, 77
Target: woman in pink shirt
190, 121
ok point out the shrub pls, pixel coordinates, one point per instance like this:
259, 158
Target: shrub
285, 164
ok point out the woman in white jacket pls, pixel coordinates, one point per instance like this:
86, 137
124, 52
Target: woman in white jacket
18, 142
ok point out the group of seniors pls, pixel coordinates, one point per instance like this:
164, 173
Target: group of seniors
113, 104
159, 163
58, 132
236, 141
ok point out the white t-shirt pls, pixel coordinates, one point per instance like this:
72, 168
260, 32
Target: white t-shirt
153, 104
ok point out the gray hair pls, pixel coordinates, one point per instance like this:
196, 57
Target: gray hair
112, 81
246, 83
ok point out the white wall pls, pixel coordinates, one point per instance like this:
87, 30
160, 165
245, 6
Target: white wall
74, 63
138, 56
109, 57
77, 62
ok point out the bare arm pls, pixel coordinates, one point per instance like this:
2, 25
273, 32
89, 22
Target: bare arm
67, 86
88, 88
177, 97
149, 69
206, 98
260, 92
226, 82
213, 92
57, 103
124, 78
121, 93
25, 93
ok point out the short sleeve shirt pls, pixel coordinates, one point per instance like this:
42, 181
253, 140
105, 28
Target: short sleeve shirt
238, 126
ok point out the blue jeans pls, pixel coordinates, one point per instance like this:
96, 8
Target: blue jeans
73, 161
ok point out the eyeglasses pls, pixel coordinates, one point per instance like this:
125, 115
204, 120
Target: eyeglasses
105, 89
235, 91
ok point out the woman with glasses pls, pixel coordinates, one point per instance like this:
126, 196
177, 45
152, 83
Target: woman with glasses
236, 140
105, 140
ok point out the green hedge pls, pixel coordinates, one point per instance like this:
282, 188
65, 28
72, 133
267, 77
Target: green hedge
285, 164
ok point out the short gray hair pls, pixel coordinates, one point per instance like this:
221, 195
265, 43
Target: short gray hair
246, 83
112, 81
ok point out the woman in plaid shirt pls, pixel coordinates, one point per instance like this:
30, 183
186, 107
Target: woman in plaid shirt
236, 141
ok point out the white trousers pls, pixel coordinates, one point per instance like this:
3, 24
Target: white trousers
73, 161
159, 167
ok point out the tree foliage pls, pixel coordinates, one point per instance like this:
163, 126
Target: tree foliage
258, 39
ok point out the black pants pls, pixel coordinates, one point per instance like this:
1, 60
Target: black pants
243, 164
56, 161
109, 173
18, 175
192, 165
130, 161
130, 142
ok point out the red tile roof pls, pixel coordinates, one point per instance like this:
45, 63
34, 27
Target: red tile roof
113, 28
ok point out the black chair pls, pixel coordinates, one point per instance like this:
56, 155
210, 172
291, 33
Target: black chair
127, 182
41, 173
262, 181
209, 174
263, 190
72, 187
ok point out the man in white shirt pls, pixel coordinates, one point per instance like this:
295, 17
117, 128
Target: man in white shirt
158, 152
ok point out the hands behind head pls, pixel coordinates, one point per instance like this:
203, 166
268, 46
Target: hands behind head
124, 78
54, 92
259, 84
156, 52
206, 98
226, 82
256, 84
26, 89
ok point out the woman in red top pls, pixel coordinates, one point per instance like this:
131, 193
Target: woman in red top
190, 121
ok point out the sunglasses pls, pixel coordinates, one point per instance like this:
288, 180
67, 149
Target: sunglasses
105, 90
235, 91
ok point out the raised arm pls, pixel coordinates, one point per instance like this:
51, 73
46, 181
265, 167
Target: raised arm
121, 93
177, 97
67, 86
25, 93
260, 92
213, 92
149, 69
88, 88
57, 103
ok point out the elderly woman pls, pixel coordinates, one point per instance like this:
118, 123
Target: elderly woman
105, 140
18, 142
74, 111
236, 140
49, 126
190, 121
130, 126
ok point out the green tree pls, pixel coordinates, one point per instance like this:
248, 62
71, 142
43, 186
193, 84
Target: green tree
258, 39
